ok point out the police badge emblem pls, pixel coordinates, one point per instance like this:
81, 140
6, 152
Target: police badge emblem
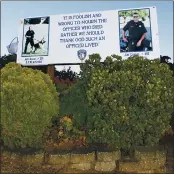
81, 54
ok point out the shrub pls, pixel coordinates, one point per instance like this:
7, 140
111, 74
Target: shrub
64, 135
62, 85
29, 101
73, 102
132, 100
67, 74
64, 79
90, 65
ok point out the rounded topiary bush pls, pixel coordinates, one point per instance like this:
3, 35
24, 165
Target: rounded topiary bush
28, 102
133, 100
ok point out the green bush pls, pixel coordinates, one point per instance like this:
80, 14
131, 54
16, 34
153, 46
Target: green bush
66, 74
132, 100
74, 103
28, 102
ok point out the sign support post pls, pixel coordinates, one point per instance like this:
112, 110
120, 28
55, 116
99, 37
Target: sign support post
50, 71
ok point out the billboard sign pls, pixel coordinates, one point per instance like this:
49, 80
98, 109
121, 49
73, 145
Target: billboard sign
71, 38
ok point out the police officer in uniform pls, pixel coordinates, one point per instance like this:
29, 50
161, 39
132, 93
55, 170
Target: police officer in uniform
137, 33
29, 39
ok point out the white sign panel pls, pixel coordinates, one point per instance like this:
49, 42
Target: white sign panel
71, 38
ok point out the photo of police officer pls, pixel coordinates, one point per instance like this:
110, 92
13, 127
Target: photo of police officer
35, 37
135, 30
29, 39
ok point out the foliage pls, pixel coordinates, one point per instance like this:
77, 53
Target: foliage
73, 102
66, 75
62, 85
4, 60
28, 102
64, 131
165, 59
64, 79
141, 13
132, 100
88, 68
67, 128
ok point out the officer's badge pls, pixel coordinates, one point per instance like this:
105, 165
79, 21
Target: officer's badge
139, 25
81, 54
